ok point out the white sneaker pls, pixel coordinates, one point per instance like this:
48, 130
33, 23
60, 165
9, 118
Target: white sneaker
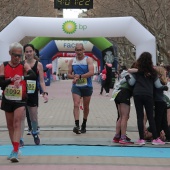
107, 94
38, 130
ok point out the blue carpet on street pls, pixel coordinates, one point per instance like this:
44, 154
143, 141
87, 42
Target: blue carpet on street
76, 150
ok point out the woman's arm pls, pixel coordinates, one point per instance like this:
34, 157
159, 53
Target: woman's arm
130, 79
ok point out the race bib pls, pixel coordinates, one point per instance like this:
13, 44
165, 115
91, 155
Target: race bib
31, 86
81, 82
13, 93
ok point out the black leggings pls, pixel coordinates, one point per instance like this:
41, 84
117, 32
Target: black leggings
146, 102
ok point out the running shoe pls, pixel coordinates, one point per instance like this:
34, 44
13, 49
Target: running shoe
83, 128
38, 130
140, 142
21, 143
116, 140
125, 142
29, 132
14, 157
127, 138
19, 154
76, 130
36, 139
9, 157
158, 141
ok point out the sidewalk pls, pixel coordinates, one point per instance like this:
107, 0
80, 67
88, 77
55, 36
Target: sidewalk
56, 122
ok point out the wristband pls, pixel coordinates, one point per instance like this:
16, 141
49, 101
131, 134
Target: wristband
22, 77
45, 93
80, 76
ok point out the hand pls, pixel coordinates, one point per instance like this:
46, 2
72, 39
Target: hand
75, 80
77, 76
17, 83
45, 96
17, 77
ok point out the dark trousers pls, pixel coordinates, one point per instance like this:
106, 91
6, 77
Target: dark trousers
107, 87
102, 86
161, 118
145, 102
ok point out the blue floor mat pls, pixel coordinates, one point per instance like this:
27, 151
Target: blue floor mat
74, 150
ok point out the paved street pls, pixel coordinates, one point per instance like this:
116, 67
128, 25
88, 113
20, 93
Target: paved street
56, 122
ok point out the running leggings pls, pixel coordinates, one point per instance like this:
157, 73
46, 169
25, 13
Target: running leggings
145, 102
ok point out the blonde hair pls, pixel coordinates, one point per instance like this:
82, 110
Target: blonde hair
162, 74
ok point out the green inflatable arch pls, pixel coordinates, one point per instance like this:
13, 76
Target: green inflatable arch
100, 42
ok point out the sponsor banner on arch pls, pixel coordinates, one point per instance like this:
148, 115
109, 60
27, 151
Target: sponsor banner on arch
69, 45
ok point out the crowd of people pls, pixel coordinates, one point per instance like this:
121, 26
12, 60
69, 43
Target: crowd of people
21, 80
146, 83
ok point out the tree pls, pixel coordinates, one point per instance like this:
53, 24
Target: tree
152, 14
10, 9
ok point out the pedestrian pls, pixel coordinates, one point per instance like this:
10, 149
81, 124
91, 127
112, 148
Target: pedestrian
81, 70
13, 74
122, 95
103, 80
161, 105
32, 89
144, 81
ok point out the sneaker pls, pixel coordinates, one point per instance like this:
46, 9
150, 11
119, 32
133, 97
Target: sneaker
107, 94
140, 142
128, 139
81, 107
158, 141
76, 130
29, 132
38, 130
9, 157
21, 143
14, 157
36, 139
116, 140
19, 154
124, 141
83, 129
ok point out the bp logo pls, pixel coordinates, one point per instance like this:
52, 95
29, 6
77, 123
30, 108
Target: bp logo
69, 27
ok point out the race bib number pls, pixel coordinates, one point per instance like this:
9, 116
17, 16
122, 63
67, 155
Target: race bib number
31, 85
81, 82
13, 93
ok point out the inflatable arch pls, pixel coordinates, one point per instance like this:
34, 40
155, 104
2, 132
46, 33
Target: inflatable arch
101, 44
80, 27
55, 47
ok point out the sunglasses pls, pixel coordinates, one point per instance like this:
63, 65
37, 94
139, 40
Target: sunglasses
16, 55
